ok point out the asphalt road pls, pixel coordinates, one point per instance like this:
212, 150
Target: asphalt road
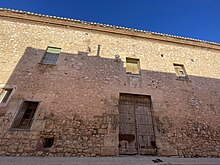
121, 160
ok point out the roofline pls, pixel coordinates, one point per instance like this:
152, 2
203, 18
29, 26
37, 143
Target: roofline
67, 22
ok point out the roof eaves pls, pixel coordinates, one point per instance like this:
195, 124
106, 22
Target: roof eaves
111, 26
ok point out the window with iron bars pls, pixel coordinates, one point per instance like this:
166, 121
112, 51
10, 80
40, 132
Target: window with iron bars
25, 116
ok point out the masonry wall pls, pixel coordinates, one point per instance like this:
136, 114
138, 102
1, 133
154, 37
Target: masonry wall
79, 95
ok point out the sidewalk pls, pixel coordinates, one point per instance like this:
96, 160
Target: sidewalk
121, 160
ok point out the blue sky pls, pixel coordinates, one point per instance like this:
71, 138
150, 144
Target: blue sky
198, 19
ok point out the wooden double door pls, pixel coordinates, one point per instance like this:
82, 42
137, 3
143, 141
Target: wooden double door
136, 131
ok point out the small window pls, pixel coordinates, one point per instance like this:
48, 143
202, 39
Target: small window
25, 115
48, 142
51, 55
132, 66
5, 94
180, 71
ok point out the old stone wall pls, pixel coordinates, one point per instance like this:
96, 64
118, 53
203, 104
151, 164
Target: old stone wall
79, 95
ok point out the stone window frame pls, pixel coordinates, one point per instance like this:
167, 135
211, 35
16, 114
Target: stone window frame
136, 64
50, 57
6, 87
180, 72
15, 124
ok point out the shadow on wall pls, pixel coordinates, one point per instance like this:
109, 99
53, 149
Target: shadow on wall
79, 86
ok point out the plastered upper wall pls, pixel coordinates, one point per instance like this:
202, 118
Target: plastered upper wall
16, 36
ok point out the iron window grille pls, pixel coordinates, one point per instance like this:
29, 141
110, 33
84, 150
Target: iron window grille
25, 116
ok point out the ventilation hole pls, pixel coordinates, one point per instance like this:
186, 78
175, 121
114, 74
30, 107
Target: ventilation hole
48, 142
192, 60
161, 55
95, 131
153, 143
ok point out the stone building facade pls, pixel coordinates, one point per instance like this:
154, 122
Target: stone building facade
72, 88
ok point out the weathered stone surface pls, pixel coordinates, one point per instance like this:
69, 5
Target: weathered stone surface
168, 152
109, 151
79, 95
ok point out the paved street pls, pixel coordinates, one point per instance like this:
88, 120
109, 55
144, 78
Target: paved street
122, 160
